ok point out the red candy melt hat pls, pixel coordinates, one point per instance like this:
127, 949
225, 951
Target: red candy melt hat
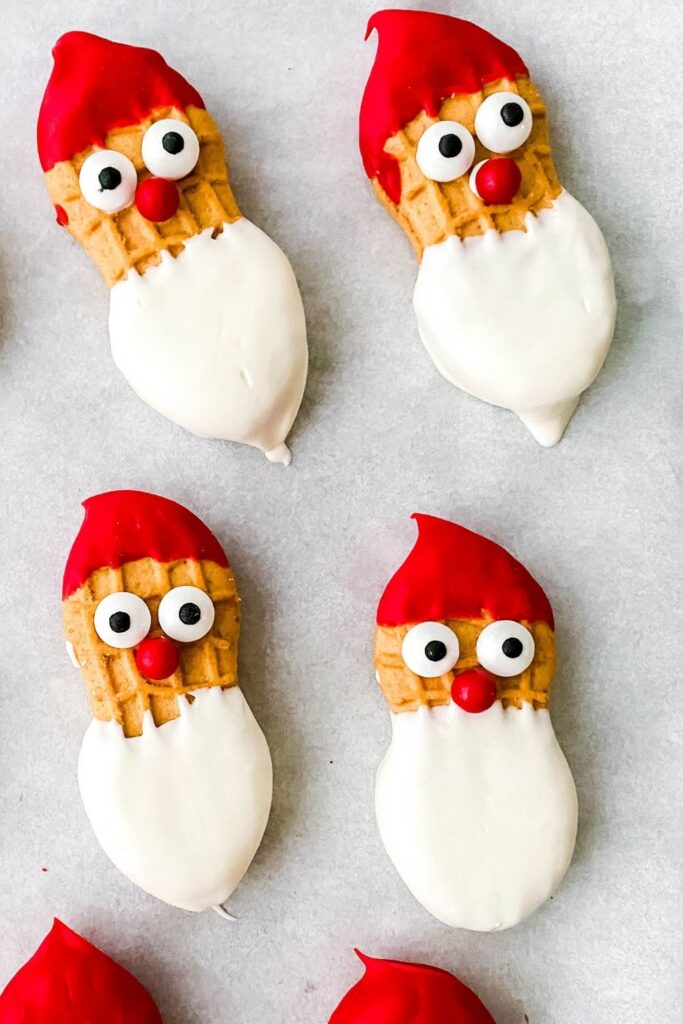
453, 573
392, 992
97, 85
422, 59
123, 526
69, 981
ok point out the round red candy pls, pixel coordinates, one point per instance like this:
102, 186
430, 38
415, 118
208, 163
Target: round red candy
474, 690
157, 199
498, 181
157, 657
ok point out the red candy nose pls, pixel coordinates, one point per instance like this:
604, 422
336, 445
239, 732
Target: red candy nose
157, 657
157, 199
474, 690
497, 181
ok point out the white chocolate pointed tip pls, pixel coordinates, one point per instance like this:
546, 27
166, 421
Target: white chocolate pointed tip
548, 423
280, 453
222, 912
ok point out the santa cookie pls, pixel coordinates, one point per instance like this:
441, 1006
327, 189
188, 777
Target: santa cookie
393, 992
205, 317
475, 802
514, 296
174, 771
69, 981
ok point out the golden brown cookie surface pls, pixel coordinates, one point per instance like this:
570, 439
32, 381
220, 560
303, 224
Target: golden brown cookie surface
117, 688
125, 241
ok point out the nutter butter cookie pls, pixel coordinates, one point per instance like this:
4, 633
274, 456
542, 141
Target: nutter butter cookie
205, 317
514, 296
174, 771
475, 801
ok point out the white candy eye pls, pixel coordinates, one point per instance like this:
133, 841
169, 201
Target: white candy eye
445, 151
108, 180
186, 613
430, 649
505, 648
503, 122
170, 149
122, 620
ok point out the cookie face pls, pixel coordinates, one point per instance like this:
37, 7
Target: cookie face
132, 174
412, 674
465, 656
473, 188
453, 132
394, 992
147, 632
514, 296
151, 614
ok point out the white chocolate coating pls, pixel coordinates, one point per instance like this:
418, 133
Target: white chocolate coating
215, 339
478, 812
521, 319
181, 810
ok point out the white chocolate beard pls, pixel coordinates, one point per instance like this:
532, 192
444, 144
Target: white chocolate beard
477, 812
521, 319
181, 810
215, 339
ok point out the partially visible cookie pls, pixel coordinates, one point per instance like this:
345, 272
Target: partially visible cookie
394, 992
70, 981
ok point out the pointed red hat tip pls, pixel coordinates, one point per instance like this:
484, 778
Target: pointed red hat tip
70, 981
393, 992
453, 573
422, 59
122, 526
97, 85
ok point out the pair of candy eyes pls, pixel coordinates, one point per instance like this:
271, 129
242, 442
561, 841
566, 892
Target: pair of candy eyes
108, 179
123, 620
504, 647
446, 150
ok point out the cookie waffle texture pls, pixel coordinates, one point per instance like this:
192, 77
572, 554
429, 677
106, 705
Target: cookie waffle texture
406, 691
125, 241
117, 689
430, 211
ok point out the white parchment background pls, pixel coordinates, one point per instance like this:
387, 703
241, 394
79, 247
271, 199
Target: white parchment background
380, 435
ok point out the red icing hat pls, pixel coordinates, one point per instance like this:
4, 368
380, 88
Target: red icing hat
122, 526
452, 573
422, 60
392, 992
97, 85
69, 981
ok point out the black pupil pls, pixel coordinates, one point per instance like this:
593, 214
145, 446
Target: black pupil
119, 622
512, 114
450, 146
173, 143
512, 647
435, 650
109, 178
189, 614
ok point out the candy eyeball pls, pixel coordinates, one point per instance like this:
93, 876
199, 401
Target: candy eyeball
503, 122
445, 151
170, 149
186, 614
430, 649
122, 620
505, 648
108, 180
